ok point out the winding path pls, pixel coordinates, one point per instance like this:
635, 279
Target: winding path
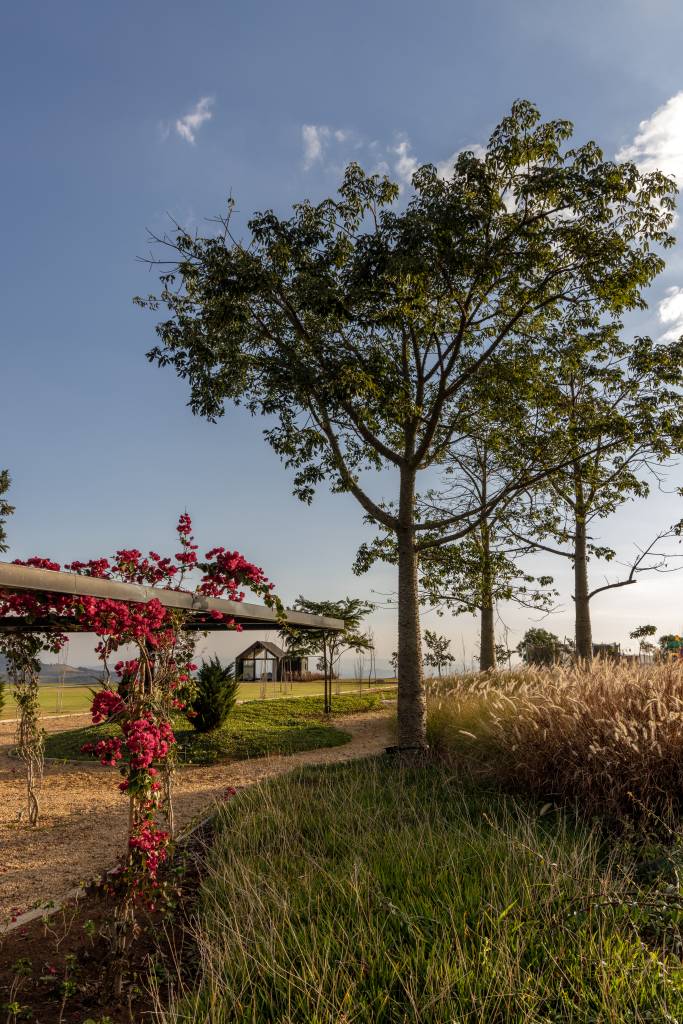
83, 817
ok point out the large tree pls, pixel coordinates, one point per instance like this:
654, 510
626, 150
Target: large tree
5, 508
615, 409
357, 325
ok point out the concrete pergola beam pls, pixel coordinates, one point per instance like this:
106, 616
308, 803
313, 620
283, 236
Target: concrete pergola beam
249, 616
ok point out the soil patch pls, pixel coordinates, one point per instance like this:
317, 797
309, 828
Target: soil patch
59, 969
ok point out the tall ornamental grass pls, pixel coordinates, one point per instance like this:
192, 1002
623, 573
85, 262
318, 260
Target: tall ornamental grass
371, 893
609, 740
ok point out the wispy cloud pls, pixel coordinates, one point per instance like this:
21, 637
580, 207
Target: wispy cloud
670, 314
188, 126
315, 138
659, 142
332, 148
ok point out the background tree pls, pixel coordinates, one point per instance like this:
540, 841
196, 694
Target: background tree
5, 508
642, 634
329, 645
541, 647
357, 327
438, 655
476, 573
615, 409
215, 695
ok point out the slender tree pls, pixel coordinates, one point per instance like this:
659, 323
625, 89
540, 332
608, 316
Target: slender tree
476, 573
5, 508
438, 655
643, 634
357, 326
328, 645
615, 410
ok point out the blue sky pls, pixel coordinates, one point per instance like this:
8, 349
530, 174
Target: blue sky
117, 115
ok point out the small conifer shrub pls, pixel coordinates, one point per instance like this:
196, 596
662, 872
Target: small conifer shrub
216, 695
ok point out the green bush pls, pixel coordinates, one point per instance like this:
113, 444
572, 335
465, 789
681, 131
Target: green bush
216, 695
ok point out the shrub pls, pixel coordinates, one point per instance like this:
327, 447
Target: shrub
216, 695
609, 740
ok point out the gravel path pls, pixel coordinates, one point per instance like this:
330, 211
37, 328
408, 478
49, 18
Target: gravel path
83, 816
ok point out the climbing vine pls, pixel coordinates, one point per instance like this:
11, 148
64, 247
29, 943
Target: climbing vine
140, 695
21, 652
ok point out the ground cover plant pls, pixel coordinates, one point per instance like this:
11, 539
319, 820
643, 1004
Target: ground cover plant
375, 892
609, 740
253, 729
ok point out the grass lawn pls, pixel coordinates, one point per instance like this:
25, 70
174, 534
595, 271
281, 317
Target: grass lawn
77, 698
376, 894
252, 730
69, 700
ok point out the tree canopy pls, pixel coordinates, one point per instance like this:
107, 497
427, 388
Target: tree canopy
614, 409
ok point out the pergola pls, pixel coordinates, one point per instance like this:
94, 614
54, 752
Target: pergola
248, 616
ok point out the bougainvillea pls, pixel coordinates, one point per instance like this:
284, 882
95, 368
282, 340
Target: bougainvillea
149, 688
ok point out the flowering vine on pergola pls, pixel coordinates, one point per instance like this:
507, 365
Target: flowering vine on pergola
15, 577
131, 599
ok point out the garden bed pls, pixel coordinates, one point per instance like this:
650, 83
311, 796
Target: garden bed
58, 967
254, 729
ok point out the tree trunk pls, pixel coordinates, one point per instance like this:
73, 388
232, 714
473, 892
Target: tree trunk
583, 633
487, 639
412, 732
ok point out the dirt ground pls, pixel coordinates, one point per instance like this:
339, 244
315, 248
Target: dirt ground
83, 816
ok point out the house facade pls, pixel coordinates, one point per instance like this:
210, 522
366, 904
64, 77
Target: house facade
266, 661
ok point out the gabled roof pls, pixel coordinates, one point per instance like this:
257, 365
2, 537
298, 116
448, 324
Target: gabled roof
273, 649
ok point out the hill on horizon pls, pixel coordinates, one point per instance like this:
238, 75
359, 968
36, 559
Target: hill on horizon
71, 675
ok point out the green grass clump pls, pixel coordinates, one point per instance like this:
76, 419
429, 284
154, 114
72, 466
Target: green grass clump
252, 730
378, 894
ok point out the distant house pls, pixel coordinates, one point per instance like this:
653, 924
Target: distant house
263, 660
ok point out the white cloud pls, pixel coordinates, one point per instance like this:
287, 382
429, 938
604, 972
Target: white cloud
659, 142
406, 163
188, 126
315, 138
670, 313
